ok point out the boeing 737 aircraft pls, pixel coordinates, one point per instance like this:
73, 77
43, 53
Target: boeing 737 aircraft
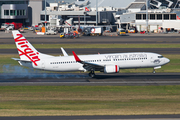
107, 63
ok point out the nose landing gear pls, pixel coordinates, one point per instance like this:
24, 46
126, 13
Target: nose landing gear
154, 71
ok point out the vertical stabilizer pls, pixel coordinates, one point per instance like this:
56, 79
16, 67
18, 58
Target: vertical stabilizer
26, 51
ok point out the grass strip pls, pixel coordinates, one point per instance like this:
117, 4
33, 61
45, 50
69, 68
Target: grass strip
88, 100
38, 46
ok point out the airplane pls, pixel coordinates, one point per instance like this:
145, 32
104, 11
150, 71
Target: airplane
107, 63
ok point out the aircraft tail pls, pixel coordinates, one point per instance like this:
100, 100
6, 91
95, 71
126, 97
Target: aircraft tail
26, 51
86, 9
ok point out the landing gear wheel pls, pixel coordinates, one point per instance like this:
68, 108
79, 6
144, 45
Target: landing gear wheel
92, 74
154, 71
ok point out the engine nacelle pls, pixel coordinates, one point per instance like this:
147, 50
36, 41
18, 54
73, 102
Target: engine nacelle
111, 69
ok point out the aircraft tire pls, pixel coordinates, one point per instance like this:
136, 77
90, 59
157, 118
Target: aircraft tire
91, 74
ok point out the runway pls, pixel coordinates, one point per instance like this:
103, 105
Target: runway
97, 117
99, 50
121, 79
98, 40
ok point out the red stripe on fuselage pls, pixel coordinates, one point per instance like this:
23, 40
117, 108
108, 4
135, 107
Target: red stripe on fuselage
116, 67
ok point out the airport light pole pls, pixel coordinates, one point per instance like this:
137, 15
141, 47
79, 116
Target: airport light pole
147, 16
84, 18
45, 17
119, 22
96, 12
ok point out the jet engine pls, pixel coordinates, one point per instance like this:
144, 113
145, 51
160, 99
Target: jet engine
111, 69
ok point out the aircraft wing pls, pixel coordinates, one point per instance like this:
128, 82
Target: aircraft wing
87, 65
64, 52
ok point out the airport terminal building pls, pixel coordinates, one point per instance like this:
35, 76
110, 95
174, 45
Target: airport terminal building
21, 11
32, 12
13, 11
125, 13
114, 12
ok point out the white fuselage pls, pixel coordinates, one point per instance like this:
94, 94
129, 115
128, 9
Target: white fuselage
122, 60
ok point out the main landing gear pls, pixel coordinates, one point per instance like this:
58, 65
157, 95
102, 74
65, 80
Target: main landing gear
92, 74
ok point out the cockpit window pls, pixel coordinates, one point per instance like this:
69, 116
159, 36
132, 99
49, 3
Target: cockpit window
160, 56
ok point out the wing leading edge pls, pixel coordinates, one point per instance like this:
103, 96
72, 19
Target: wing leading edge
87, 65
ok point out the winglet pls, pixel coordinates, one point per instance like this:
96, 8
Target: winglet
76, 57
64, 52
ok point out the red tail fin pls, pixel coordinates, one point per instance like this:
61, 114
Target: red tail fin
86, 9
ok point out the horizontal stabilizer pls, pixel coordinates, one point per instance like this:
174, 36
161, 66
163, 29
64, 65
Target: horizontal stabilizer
17, 59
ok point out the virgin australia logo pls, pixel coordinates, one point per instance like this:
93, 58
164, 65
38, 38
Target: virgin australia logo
25, 49
157, 61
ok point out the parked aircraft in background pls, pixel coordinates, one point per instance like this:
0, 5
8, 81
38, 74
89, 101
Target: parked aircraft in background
107, 63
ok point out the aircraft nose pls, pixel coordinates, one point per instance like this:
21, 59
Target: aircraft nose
167, 60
